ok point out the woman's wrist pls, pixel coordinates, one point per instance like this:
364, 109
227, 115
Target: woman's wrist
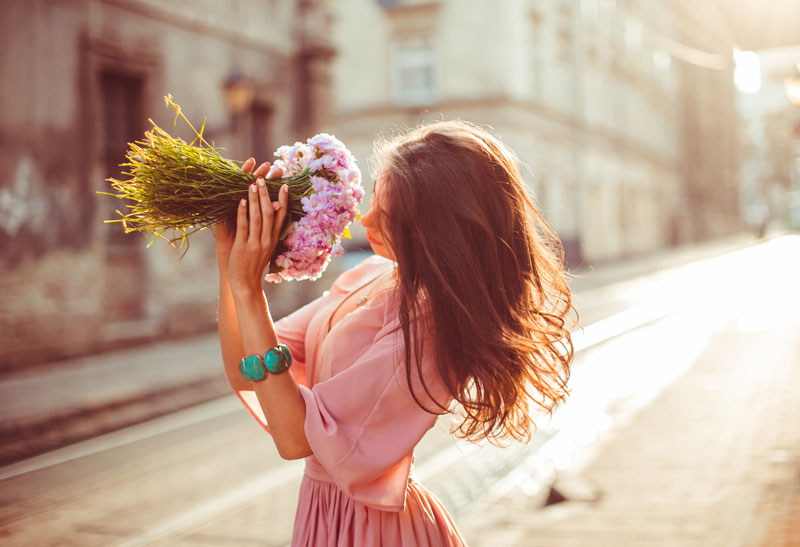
252, 313
223, 258
245, 291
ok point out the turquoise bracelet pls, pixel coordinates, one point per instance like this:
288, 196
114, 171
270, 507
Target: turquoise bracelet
254, 368
278, 359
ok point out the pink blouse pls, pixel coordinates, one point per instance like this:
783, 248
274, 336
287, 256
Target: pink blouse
362, 422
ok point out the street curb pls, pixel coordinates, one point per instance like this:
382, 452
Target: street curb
23, 439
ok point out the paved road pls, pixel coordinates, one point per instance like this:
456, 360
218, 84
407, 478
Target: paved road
690, 427
209, 476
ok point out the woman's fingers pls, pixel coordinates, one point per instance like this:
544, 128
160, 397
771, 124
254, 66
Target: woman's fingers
262, 170
241, 223
275, 173
255, 214
281, 212
248, 165
266, 212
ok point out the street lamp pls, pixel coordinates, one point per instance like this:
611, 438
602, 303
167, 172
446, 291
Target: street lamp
792, 88
239, 91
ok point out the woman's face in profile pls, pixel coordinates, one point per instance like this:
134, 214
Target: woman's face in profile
371, 222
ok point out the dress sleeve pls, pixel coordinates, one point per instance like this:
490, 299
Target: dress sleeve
362, 424
291, 330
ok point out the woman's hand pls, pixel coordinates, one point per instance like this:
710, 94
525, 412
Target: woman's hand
225, 230
255, 237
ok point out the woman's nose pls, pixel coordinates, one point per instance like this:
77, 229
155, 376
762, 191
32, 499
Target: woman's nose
366, 218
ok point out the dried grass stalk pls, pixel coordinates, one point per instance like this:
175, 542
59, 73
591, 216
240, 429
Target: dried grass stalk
187, 187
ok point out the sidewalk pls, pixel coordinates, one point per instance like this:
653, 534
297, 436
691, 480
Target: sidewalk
79, 398
714, 460
72, 400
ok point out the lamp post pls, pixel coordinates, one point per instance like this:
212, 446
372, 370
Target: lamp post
792, 88
239, 91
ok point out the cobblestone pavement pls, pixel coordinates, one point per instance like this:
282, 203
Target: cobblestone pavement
714, 460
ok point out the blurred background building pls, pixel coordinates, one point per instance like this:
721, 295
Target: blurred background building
79, 81
625, 112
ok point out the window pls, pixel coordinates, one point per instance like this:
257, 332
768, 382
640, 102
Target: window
123, 121
413, 74
589, 9
536, 54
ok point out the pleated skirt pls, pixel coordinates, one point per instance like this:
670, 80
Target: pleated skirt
326, 517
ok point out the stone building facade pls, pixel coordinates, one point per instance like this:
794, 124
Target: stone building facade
623, 110
79, 80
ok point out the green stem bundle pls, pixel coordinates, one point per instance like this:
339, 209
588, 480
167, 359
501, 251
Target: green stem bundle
185, 188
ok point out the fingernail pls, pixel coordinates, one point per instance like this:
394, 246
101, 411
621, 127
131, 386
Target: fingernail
253, 188
260, 181
285, 188
243, 202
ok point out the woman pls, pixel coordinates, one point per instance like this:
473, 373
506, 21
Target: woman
465, 302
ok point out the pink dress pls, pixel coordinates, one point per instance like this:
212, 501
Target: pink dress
361, 422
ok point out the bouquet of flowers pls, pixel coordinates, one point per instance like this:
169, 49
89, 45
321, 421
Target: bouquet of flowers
185, 188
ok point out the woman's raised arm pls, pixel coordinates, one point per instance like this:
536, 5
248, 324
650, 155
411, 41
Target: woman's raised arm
246, 327
229, 337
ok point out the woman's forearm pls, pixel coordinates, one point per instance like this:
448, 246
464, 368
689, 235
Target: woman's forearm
229, 337
245, 325
278, 395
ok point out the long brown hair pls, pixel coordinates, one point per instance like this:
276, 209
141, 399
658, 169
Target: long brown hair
480, 276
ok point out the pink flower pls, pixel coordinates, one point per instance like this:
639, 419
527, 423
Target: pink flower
336, 180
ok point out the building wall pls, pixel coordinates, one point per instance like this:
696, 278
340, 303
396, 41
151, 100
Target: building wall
710, 123
69, 283
591, 95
